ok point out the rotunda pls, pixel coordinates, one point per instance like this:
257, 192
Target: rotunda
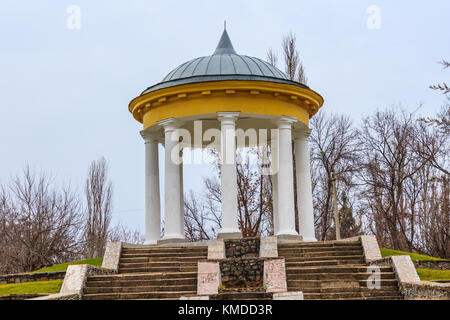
227, 100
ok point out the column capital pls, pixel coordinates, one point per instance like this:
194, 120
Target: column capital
170, 124
228, 116
149, 137
285, 122
301, 133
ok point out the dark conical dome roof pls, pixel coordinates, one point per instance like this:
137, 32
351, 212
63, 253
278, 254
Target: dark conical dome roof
225, 46
223, 64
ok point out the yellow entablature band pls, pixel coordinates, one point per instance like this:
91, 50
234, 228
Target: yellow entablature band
251, 97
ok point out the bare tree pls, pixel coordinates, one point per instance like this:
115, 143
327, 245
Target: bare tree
200, 223
203, 214
98, 192
334, 149
291, 56
123, 234
442, 121
39, 225
301, 74
293, 66
392, 182
431, 143
254, 195
272, 57
442, 86
389, 164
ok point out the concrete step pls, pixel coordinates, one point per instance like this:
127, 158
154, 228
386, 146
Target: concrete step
138, 296
164, 259
138, 289
159, 269
318, 245
337, 276
323, 261
298, 285
144, 283
350, 295
321, 257
335, 244
302, 253
144, 276
242, 296
393, 290
320, 263
395, 297
334, 269
320, 249
166, 264
162, 255
166, 250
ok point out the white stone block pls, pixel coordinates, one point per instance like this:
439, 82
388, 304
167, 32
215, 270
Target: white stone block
208, 280
371, 249
404, 269
268, 247
275, 275
216, 250
288, 296
112, 256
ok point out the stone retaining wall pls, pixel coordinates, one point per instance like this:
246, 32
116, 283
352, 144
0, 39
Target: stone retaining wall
437, 265
32, 277
425, 291
24, 296
59, 296
242, 272
410, 285
242, 248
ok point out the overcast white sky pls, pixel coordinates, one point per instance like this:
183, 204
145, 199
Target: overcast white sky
64, 93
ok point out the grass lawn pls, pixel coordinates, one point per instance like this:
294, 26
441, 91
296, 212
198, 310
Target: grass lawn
31, 287
414, 256
63, 267
433, 275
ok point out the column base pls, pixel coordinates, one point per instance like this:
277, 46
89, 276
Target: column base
229, 235
289, 237
309, 239
172, 241
150, 242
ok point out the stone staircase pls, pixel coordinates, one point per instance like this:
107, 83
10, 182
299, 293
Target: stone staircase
147, 273
334, 271
321, 270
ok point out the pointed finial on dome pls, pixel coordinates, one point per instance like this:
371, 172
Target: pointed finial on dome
225, 46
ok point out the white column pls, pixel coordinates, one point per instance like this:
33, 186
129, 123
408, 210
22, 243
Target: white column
274, 153
172, 188
181, 197
276, 224
152, 196
286, 208
229, 176
304, 189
